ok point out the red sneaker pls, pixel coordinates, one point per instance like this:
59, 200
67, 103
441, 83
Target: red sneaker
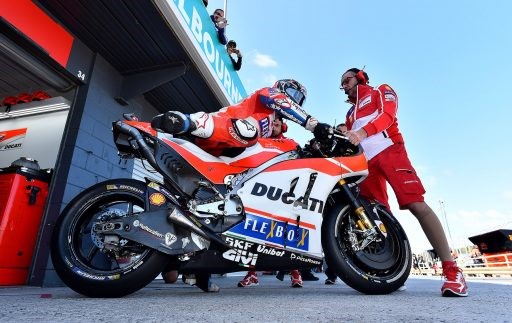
296, 278
455, 284
251, 279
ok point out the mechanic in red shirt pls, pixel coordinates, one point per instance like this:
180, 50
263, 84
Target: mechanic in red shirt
372, 121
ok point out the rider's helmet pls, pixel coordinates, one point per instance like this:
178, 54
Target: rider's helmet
292, 89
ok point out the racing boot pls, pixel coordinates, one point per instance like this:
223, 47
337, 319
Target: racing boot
251, 279
296, 278
173, 122
454, 284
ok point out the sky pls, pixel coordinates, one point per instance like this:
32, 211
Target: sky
448, 61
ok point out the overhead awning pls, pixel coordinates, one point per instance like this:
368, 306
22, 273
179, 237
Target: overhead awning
144, 36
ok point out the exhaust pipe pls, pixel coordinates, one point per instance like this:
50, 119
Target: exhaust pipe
178, 218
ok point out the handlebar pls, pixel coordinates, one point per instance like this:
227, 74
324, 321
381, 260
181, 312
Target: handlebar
332, 144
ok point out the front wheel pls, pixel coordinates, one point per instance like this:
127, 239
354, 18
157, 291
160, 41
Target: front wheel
100, 265
380, 267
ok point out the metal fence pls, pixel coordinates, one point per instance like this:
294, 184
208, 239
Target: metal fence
482, 266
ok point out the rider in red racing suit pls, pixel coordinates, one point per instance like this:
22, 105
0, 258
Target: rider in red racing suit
240, 125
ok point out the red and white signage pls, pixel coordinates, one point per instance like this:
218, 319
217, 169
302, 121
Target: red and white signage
12, 139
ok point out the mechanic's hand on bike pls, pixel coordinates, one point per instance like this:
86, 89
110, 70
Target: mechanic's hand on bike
355, 137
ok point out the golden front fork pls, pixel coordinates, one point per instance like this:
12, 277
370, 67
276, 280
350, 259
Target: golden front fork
364, 222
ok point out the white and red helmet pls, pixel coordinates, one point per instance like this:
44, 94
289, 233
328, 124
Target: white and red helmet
292, 89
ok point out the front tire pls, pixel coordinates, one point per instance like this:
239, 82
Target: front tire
381, 267
96, 265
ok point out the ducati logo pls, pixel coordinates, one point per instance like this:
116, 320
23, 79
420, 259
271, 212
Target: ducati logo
275, 194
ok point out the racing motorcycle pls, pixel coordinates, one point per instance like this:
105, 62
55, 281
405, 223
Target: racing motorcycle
273, 206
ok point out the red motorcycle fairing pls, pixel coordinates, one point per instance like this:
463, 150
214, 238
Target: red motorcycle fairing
216, 169
265, 149
143, 126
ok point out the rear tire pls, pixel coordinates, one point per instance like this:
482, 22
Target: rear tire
380, 268
79, 254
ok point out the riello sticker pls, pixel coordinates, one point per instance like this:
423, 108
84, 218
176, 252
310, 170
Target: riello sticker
12, 139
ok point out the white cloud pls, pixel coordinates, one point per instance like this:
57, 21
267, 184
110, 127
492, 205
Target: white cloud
507, 195
263, 60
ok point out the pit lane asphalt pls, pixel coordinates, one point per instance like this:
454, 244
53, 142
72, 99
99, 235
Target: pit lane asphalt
271, 301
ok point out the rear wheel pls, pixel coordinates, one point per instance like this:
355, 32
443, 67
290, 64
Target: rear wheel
379, 267
99, 265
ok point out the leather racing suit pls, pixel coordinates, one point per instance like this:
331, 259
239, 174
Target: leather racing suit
240, 125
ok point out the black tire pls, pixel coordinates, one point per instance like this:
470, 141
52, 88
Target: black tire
82, 264
380, 268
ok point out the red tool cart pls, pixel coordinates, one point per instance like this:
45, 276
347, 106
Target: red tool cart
23, 192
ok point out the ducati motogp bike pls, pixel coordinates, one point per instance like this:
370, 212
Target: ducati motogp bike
272, 206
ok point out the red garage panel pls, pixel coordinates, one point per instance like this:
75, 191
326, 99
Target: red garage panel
35, 24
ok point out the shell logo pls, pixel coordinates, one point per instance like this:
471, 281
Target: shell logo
157, 199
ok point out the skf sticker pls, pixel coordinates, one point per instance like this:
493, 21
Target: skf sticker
157, 199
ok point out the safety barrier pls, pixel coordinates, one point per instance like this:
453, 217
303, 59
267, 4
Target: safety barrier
491, 265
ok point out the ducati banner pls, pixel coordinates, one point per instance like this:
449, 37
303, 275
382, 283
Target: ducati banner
12, 139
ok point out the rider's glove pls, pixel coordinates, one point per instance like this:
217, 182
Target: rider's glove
310, 123
323, 131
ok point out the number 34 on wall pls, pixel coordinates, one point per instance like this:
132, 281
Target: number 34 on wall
81, 75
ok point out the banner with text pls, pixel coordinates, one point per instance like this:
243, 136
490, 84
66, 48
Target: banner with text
199, 27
